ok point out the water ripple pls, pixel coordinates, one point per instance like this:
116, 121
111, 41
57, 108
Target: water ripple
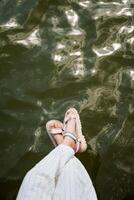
57, 54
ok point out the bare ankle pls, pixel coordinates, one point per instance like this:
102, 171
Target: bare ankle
69, 142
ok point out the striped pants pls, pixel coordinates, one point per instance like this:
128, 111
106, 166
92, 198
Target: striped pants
58, 176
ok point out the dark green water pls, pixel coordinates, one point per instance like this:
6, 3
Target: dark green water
57, 54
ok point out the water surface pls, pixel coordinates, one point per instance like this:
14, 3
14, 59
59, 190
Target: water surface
57, 54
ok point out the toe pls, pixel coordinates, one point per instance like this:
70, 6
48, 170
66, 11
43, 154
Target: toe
52, 125
55, 125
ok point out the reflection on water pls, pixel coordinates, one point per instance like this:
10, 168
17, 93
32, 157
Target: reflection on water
56, 54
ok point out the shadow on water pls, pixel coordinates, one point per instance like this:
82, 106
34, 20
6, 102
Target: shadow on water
57, 54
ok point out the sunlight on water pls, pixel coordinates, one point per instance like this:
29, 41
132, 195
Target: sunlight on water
72, 17
60, 46
84, 4
78, 70
107, 50
75, 32
125, 29
12, 23
112, 9
32, 39
60, 54
58, 58
77, 53
132, 74
131, 40
37, 136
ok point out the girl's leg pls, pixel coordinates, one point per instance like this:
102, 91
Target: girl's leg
74, 183
40, 181
60, 169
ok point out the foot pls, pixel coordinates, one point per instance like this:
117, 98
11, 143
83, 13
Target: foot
70, 127
55, 124
73, 130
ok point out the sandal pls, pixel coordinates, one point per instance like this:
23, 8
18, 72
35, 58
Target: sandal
79, 138
54, 131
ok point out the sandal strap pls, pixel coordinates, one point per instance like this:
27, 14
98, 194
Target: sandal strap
66, 121
55, 131
71, 135
76, 139
69, 118
77, 146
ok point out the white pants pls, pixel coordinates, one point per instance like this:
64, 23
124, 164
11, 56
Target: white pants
59, 176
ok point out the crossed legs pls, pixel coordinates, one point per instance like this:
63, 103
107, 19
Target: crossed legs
60, 175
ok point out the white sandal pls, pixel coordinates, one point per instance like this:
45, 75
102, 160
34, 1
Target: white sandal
54, 131
79, 138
